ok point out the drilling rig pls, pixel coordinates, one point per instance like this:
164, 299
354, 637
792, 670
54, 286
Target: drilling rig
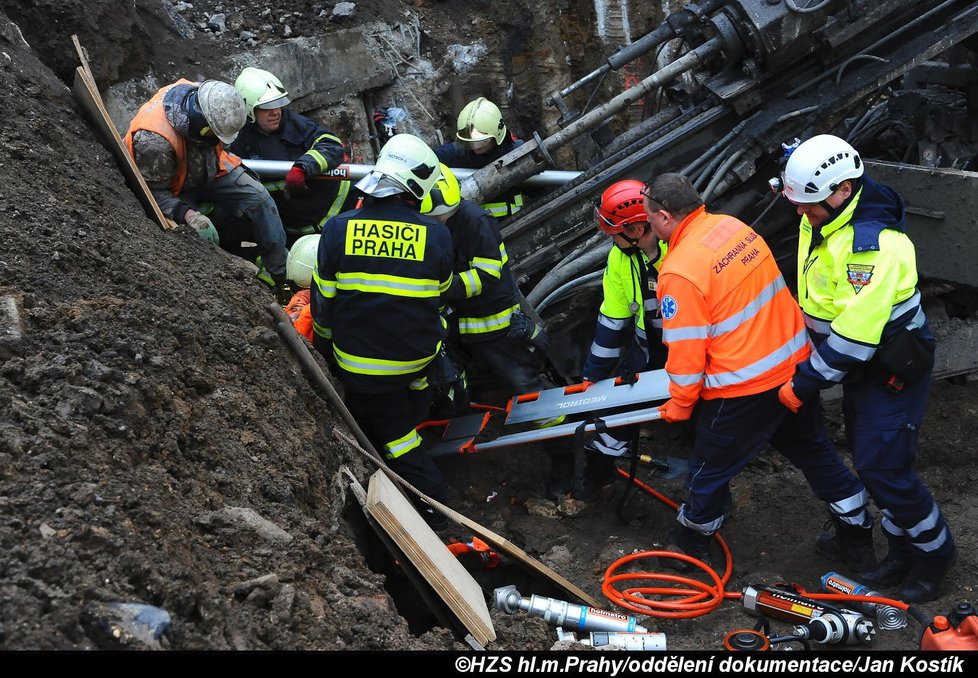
734, 80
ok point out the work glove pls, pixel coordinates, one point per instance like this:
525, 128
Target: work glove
671, 411
204, 227
786, 394
295, 180
628, 377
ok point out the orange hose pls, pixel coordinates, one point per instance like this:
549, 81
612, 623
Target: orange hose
698, 599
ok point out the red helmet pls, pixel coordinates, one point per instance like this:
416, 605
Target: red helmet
621, 204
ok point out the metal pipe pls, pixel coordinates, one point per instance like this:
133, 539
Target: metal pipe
519, 164
276, 169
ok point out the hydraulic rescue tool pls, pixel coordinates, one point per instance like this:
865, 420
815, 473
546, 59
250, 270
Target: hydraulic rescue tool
820, 623
561, 613
623, 641
887, 617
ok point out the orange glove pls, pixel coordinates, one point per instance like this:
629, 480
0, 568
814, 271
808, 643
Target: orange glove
671, 411
786, 394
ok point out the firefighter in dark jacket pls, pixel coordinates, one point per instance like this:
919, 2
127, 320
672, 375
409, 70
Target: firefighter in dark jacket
482, 138
486, 321
377, 294
857, 285
273, 132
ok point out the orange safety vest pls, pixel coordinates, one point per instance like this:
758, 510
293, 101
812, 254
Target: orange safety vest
728, 318
152, 118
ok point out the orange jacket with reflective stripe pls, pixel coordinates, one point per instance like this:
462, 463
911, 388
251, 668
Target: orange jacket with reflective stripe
152, 118
730, 322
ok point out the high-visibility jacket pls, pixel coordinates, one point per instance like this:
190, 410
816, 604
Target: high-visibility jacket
152, 117
457, 154
317, 151
377, 294
857, 285
728, 319
483, 292
629, 285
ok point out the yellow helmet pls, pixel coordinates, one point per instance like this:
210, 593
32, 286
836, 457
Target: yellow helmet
445, 197
260, 89
480, 120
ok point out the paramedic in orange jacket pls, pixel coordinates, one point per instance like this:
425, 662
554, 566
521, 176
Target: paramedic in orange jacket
734, 335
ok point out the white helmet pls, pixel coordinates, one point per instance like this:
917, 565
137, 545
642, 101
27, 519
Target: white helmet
405, 164
223, 108
260, 89
302, 260
817, 167
480, 120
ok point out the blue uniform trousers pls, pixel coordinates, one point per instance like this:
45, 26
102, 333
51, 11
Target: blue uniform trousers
732, 431
882, 429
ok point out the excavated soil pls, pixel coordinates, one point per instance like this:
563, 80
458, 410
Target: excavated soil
159, 444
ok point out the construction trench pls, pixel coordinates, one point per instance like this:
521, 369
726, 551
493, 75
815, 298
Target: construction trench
162, 445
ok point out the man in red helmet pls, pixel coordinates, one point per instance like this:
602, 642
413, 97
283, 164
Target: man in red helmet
628, 335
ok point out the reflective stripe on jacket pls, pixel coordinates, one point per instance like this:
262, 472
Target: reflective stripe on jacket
623, 308
857, 285
152, 118
377, 292
729, 321
483, 291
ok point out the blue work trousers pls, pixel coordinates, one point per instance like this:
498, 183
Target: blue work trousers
730, 432
882, 429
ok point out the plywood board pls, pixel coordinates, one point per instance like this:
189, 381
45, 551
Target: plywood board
452, 582
88, 97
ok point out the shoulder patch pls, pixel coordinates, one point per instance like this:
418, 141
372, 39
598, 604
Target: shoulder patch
669, 307
859, 275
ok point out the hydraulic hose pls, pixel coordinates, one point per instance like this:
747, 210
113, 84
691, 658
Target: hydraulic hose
567, 287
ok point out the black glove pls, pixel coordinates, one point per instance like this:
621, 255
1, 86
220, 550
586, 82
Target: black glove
522, 328
628, 376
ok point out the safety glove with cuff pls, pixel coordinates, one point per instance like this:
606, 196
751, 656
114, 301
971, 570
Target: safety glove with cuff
204, 227
671, 411
295, 180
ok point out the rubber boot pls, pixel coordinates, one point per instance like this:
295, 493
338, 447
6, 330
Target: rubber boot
685, 540
850, 544
923, 582
599, 476
893, 568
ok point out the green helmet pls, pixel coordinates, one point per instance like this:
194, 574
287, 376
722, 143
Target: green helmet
445, 197
302, 260
405, 164
223, 109
480, 120
260, 89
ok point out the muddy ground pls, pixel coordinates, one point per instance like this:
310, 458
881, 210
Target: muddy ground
159, 445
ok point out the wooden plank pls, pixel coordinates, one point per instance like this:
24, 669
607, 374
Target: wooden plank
450, 580
88, 97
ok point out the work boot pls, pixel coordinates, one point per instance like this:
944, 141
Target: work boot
923, 582
849, 544
893, 568
561, 476
682, 539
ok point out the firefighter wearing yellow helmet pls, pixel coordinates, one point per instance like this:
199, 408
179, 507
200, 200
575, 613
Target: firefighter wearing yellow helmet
305, 198
481, 138
377, 290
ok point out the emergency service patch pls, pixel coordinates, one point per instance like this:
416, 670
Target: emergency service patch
388, 240
859, 276
669, 307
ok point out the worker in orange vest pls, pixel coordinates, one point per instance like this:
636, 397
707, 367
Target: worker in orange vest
734, 335
177, 140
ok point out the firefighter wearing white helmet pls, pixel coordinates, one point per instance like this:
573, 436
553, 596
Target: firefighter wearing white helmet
378, 287
857, 286
305, 197
302, 260
481, 138
177, 140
